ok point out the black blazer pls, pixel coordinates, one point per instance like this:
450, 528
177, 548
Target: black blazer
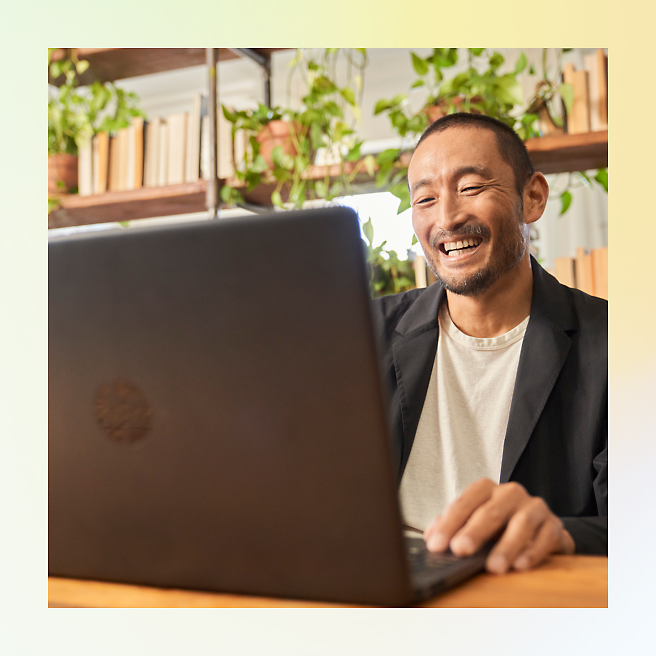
556, 443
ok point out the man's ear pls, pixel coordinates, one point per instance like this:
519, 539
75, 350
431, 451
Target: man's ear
536, 193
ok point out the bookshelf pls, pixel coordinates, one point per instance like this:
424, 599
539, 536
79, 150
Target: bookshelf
108, 64
553, 154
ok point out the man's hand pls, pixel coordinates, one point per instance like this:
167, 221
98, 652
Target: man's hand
529, 530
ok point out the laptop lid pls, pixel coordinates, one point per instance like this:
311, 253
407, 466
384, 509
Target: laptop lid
215, 413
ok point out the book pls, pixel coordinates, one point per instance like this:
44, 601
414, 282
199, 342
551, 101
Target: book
85, 169
113, 163
194, 126
177, 124
578, 120
163, 154
584, 275
128, 182
137, 166
205, 154
151, 160
419, 266
564, 271
600, 272
224, 146
595, 65
100, 162
122, 150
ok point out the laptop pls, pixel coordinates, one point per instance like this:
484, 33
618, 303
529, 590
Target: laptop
216, 417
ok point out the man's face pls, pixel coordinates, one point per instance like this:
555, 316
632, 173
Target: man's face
466, 212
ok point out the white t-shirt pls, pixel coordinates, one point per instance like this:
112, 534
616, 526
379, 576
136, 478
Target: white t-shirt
464, 419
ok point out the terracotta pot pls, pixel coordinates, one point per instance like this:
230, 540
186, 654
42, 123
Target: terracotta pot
275, 133
62, 169
438, 111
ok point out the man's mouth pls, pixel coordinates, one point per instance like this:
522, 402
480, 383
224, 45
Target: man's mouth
454, 248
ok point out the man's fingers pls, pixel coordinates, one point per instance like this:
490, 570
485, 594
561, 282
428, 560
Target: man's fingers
489, 519
551, 538
523, 528
439, 533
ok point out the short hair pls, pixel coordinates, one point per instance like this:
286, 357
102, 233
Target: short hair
511, 147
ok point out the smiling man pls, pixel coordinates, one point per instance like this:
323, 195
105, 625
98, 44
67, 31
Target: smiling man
497, 374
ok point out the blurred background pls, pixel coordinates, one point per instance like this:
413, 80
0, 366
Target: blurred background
133, 140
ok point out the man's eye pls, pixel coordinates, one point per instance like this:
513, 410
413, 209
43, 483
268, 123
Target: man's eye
473, 188
424, 200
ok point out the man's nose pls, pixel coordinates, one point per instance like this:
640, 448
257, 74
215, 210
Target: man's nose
450, 213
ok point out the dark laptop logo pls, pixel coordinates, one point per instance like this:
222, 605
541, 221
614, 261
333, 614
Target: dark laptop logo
122, 411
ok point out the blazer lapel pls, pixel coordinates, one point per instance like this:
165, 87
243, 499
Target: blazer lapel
413, 355
544, 351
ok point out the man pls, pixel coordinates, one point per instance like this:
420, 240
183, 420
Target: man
497, 374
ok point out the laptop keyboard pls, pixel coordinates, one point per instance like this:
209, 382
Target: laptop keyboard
422, 560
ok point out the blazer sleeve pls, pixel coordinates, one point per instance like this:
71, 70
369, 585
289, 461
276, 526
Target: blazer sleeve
590, 534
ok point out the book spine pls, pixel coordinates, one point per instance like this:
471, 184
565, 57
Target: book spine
564, 271
163, 154
114, 163
176, 160
84, 169
192, 158
600, 271
101, 173
602, 85
138, 138
584, 274
579, 119
130, 159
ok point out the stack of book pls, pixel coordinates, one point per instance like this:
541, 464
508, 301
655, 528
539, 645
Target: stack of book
590, 107
163, 151
588, 271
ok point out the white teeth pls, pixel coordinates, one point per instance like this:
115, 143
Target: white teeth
456, 248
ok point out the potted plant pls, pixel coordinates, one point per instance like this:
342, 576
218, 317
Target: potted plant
481, 88
75, 115
387, 273
284, 142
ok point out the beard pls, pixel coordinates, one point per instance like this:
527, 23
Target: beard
512, 244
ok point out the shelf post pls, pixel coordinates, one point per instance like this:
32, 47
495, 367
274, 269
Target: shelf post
264, 62
213, 201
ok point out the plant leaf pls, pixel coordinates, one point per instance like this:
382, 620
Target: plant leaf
521, 63
381, 106
414, 240
369, 164
368, 230
420, 65
566, 92
348, 95
417, 83
276, 199
602, 178
565, 202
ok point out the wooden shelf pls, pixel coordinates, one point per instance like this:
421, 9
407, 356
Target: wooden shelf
569, 152
128, 205
554, 154
109, 64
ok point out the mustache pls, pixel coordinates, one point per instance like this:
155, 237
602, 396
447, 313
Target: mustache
469, 230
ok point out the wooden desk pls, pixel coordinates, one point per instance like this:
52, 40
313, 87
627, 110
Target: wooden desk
563, 581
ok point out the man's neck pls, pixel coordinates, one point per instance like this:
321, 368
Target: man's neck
498, 310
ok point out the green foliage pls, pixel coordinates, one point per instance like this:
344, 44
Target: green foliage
565, 201
387, 273
480, 89
602, 178
320, 122
76, 114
